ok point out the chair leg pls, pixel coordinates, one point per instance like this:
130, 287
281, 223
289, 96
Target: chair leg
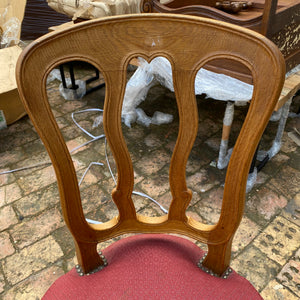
224, 154
277, 141
265, 156
218, 258
87, 256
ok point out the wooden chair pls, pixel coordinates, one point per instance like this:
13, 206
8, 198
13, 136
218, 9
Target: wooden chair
152, 265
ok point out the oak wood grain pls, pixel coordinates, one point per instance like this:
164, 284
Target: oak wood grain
188, 42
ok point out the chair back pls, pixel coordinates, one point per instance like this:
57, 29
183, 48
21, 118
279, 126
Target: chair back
188, 43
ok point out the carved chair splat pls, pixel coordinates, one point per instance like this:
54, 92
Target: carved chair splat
188, 44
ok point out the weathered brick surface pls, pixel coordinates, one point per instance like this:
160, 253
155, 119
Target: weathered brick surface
287, 181
155, 186
38, 201
12, 156
2, 283
265, 204
6, 247
37, 180
6, 178
290, 274
277, 291
27, 232
2, 197
7, 217
202, 181
255, 266
72, 144
288, 145
35, 286
9, 193
279, 240
245, 234
209, 207
31, 260
292, 211
152, 163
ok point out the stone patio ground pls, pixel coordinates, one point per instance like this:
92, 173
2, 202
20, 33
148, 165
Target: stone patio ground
36, 247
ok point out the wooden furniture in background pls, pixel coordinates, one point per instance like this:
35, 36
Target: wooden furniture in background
278, 20
290, 88
177, 38
38, 18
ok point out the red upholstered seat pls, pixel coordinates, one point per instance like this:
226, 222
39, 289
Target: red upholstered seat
151, 267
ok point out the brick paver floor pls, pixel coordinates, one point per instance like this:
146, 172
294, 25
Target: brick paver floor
35, 246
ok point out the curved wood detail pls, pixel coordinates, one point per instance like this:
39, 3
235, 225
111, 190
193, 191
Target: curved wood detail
204, 11
115, 82
146, 6
188, 128
176, 38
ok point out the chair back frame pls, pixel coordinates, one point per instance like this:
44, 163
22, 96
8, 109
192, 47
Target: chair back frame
188, 43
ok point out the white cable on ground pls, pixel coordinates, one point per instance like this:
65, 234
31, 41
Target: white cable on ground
94, 138
134, 192
88, 142
91, 164
82, 129
26, 168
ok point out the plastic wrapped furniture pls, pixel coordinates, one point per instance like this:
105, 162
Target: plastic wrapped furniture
276, 19
93, 9
156, 266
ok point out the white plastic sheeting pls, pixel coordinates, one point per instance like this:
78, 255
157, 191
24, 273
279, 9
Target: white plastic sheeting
11, 16
92, 9
11, 30
216, 86
68, 93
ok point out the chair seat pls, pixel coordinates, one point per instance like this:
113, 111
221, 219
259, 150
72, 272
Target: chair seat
151, 266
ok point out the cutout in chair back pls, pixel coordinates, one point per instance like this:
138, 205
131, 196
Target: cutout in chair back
188, 43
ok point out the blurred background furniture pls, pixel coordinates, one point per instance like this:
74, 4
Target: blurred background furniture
278, 20
152, 266
38, 18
